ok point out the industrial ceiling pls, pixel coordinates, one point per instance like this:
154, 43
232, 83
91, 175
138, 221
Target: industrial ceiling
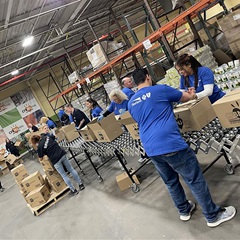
58, 27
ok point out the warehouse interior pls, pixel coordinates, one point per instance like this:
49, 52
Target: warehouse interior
60, 66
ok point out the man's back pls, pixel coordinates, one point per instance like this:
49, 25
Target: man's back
151, 107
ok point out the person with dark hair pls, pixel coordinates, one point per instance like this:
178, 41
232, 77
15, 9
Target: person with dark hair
193, 74
46, 145
95, 109
152, 108
63, 117
11, 148
80, 119
1, 187
128, 84
33, 128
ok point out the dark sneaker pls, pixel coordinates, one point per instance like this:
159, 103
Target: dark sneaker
73, 193
224, 215
187, 217
81, 187
2, 189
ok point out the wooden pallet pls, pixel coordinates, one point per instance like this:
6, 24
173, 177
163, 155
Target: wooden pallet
54, 198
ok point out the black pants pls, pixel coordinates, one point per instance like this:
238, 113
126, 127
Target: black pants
1, 185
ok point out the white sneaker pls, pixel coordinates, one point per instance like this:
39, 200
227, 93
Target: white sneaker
224, 215
187, 217
141, 160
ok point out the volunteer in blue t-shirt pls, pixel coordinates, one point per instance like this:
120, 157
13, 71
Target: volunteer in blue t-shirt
95, 109
193, 74
151, 107
128, 84
119, 103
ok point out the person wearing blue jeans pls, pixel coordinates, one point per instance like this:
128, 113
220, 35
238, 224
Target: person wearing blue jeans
59, 167
151, 108
46, 145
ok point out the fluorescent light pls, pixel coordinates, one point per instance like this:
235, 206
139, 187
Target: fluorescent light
15, 72
27, 41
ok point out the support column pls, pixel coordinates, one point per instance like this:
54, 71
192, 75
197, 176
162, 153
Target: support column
156, 25
137, 64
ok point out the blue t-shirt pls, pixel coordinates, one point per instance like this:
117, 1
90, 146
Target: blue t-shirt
60, 113
118, 109
151, 107
95, 112
51, 124
205, 76
129, 92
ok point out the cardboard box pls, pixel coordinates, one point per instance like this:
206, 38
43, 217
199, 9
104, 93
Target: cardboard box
194, 115
53, 175
107, 129
72, 135
5, 170
46, 164
227, 109
68, 128
19, 173
33, 181
11, 158
58, 185
96, 57
19, 144
235, 47
60, 136
23, 191
131, 125
38, 196
124, 182
87, 134
46, 183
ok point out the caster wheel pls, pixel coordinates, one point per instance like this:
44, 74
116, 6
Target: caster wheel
135, 188
100, 179
229, 169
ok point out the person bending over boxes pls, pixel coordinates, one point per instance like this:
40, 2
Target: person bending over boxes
46, 145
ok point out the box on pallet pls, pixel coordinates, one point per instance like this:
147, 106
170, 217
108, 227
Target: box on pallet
13, 160
124, 182
5, 170
46, 183
107, 129
38, 196
33, 181
19, 173
194, 115
53, 175
23, 191
127, 120
87, 134
46, 164
58, 185
227, 109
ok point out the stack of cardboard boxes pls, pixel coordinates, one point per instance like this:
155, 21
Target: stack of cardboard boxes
230, 25
3, 166
13, 160
52, 176
32, 187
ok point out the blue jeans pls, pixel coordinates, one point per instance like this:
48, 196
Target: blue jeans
59, 167
185, 163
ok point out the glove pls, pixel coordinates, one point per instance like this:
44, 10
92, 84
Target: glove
77, 128
100, 118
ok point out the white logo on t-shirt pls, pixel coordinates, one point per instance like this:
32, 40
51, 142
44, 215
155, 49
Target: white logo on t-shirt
136, 101
145, 96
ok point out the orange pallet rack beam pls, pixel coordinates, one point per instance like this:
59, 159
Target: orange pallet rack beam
165, 29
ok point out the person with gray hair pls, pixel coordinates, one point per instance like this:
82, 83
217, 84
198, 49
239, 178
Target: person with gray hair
119, 103
128, 84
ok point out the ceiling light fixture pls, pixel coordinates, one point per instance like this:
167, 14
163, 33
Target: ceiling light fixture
27, 41
15, 72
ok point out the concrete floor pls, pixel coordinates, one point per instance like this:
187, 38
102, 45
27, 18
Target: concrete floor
102, 211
